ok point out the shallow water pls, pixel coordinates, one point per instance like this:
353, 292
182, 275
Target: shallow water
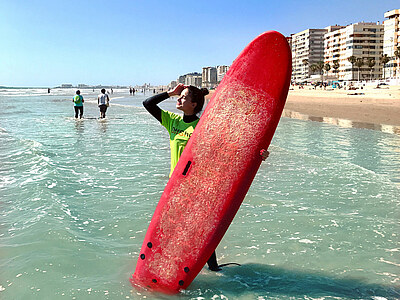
321, 220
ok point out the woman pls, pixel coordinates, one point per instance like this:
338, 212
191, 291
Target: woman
180, 128
102, 101
78, 104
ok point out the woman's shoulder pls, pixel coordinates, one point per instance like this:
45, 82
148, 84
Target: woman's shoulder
171, 115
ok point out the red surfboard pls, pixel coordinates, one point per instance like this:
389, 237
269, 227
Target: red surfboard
217, 166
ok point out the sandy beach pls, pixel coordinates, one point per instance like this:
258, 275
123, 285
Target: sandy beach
367, 105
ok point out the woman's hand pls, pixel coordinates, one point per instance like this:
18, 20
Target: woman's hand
264, 154
177, 90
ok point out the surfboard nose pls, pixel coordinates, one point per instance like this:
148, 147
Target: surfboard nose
269, 69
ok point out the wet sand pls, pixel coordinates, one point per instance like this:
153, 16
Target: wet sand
368, 105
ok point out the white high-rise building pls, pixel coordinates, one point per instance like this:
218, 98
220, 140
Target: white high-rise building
209, 77
334, 47
307, 46
221, 71
391, 43
361, 40
194, 79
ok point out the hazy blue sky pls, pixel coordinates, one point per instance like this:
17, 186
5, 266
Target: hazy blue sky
47, 43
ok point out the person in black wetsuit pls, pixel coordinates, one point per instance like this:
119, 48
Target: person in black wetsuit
191, 102
180, 128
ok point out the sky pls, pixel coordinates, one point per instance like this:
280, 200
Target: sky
45, 43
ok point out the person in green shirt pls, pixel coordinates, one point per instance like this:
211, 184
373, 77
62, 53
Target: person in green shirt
78, 104
180, 128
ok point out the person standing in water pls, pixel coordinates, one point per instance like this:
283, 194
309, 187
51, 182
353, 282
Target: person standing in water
78, 104
103, 102
190, 102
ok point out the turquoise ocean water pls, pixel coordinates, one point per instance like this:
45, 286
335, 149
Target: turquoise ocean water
321, 220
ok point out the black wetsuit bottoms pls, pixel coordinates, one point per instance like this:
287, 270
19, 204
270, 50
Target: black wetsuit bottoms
80, 110
212, 262
103, 108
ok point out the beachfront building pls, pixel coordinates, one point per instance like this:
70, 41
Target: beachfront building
209, 77
181, 79
194, 79
361, 40
172, 84
221, 71
391, 43
334, 45
307, 49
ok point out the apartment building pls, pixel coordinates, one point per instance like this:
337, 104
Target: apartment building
194, 79
307, 46
209, 77
391, 40
334, 45
172, 84
362, 40
221, 71
181, 79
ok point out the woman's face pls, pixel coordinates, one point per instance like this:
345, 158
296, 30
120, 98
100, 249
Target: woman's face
185, 104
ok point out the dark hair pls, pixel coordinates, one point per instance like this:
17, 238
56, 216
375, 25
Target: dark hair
197, 96
78, 92
103, 90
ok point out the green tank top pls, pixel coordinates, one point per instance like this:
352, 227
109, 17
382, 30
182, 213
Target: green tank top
179, 134
78, 100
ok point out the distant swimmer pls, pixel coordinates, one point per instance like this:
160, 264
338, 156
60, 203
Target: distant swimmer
103, 101
78, 104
